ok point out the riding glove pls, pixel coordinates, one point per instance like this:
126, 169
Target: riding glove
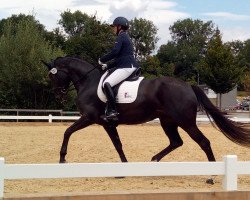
104, 66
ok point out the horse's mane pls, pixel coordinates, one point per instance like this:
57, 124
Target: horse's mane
75, 58
68, 59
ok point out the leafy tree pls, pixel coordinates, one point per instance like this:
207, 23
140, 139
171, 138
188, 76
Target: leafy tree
245, 54
235, 46
86, 37
168, 53
143, 34
188, 46
75, 23
218, 68
243, 60
23, 78
53, 37
151, 67
189, 31
246, 82
16, 19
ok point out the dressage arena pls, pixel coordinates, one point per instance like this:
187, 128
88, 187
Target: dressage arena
40, 143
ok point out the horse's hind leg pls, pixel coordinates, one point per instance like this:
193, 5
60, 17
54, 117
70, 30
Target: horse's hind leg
201, 140
174, 139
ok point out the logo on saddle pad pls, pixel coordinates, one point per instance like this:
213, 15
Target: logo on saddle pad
127, 91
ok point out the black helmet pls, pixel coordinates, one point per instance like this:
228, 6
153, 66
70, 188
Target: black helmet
122, 21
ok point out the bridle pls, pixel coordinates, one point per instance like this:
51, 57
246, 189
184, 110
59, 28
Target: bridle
65, 89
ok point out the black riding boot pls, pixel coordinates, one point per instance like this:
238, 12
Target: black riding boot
111, 112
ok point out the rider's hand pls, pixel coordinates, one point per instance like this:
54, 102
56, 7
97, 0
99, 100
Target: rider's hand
99, 62
104, 66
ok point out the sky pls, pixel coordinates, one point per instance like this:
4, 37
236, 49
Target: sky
231, 16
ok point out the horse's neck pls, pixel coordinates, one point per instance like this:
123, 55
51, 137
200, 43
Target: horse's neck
85, 80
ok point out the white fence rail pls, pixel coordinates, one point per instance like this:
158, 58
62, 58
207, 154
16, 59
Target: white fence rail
50, 118
230, 168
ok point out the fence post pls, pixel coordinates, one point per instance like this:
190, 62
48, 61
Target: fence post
50, 118
1, 177
230, 177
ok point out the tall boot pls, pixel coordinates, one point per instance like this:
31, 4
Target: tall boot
111, 112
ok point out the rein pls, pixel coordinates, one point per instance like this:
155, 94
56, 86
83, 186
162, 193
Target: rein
64, 90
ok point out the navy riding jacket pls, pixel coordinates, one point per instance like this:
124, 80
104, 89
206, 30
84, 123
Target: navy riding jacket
122, 53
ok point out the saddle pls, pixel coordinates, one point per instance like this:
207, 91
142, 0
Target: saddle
133, 77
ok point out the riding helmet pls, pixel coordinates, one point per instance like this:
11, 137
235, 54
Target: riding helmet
122, 21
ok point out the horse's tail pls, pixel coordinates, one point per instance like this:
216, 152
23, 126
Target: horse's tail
232, 130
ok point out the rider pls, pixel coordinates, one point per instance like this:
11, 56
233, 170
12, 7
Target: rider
124, 63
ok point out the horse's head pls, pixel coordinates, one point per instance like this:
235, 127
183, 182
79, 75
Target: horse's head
60, 78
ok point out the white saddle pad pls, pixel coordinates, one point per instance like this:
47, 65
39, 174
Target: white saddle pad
127, 91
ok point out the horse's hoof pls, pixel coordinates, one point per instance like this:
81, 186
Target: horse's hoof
62, 161
154, 159
210, 181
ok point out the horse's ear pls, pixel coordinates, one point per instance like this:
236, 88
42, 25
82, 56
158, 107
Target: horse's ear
47, 64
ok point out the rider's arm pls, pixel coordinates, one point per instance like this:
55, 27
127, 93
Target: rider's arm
114, 52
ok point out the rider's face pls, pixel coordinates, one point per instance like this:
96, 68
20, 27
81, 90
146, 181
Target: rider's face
115, 29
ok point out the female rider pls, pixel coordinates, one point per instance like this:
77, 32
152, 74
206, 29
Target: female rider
124, 64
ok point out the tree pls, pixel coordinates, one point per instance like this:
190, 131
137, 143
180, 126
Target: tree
151, 67
23, 78
143, 34
218, 68
86, 37
245, 54
16, 19
236, 48
53, 37
75, 23
168, 53
246, 82
188, 46
243, 60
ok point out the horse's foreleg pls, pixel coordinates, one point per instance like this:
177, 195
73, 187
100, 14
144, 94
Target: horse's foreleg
79, 124
113, 134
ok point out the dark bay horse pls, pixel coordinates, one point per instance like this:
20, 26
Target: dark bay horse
173, 101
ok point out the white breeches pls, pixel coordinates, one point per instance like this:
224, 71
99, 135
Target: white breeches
119, 75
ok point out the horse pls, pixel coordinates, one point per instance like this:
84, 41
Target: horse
173, 101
